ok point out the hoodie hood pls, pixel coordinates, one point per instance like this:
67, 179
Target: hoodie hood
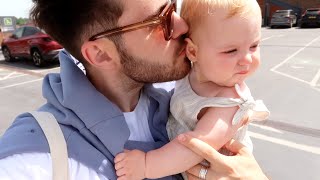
75, 102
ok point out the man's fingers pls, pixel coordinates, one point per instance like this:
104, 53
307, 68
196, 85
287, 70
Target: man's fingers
194, 170
192, 177
202, 149
236, 147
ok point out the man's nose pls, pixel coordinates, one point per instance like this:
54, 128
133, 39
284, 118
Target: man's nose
180, 27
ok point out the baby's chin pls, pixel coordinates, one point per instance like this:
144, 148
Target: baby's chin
233, 83
227, 84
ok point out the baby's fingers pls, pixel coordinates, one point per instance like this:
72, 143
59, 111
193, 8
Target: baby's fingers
119, 165
121, 172
119, 157
123, 178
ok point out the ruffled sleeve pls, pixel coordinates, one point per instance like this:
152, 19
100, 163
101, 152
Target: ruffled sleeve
255, 109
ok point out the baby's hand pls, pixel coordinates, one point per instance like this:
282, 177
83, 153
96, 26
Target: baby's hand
130, 165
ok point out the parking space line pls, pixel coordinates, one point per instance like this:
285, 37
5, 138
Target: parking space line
8, 76
20, 70
264, 39
297, 79
289, 76
316, 78
283, 126
294, 54
268, 128
45, 70
302, 147
13, 77
18, 84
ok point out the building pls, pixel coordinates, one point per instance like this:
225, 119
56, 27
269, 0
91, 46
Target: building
268, 7
7, 25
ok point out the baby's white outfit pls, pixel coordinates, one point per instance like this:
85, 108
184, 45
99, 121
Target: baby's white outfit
185, 106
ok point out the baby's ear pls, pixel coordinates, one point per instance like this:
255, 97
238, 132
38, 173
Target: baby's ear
191, 50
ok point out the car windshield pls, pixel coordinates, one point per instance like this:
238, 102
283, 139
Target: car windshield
313, 11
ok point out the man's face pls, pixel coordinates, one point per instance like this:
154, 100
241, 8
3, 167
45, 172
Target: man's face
145, 55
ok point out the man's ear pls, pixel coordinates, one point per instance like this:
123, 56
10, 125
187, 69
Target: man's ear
100, 53
191, 50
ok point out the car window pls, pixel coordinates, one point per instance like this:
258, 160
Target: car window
280, 13
313, 11
29, 31
18, 32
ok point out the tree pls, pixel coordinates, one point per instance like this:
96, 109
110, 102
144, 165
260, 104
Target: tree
22, 21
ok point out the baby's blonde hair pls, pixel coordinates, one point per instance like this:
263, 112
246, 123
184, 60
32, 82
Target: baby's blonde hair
194, 11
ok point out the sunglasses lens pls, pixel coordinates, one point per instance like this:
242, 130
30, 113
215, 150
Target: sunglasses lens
169, 23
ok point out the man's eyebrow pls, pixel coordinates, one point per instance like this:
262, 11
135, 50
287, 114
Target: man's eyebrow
157, 12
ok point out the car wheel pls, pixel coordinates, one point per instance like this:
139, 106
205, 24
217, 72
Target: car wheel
7, 55
37, 58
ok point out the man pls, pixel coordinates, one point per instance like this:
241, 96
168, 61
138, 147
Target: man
124, 45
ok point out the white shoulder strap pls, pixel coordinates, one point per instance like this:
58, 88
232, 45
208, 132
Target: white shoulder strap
57, 144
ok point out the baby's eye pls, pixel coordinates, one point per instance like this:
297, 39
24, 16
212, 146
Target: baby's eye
254, 46
230, 51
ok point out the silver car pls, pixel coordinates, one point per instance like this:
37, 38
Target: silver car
286, 18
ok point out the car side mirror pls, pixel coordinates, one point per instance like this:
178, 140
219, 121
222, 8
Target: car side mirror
13, 36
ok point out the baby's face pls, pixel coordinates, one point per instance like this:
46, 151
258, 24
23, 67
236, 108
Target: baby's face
228, 48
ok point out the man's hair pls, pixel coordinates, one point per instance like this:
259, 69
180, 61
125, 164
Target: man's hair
194, 11
72, 22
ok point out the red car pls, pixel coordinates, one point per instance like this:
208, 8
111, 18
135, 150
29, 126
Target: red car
30, 42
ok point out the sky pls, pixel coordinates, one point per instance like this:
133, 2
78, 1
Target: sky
17, 8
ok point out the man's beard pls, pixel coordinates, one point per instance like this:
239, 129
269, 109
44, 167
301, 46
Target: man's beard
144, 71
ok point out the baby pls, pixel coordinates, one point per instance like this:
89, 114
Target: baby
212, 102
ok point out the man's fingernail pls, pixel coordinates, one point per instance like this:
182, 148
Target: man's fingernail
182, 137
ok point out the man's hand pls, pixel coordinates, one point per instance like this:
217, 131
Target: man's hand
242, 165
130, 165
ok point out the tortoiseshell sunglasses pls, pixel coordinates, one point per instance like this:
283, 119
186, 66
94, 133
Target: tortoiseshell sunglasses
165, 19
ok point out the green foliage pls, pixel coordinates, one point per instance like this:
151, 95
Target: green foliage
22, 21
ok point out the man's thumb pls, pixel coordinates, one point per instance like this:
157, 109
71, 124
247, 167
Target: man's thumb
236, 147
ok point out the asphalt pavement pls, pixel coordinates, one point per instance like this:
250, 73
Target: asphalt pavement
287, 146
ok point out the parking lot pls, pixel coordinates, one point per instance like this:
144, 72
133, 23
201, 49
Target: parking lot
20, 88
287, 145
